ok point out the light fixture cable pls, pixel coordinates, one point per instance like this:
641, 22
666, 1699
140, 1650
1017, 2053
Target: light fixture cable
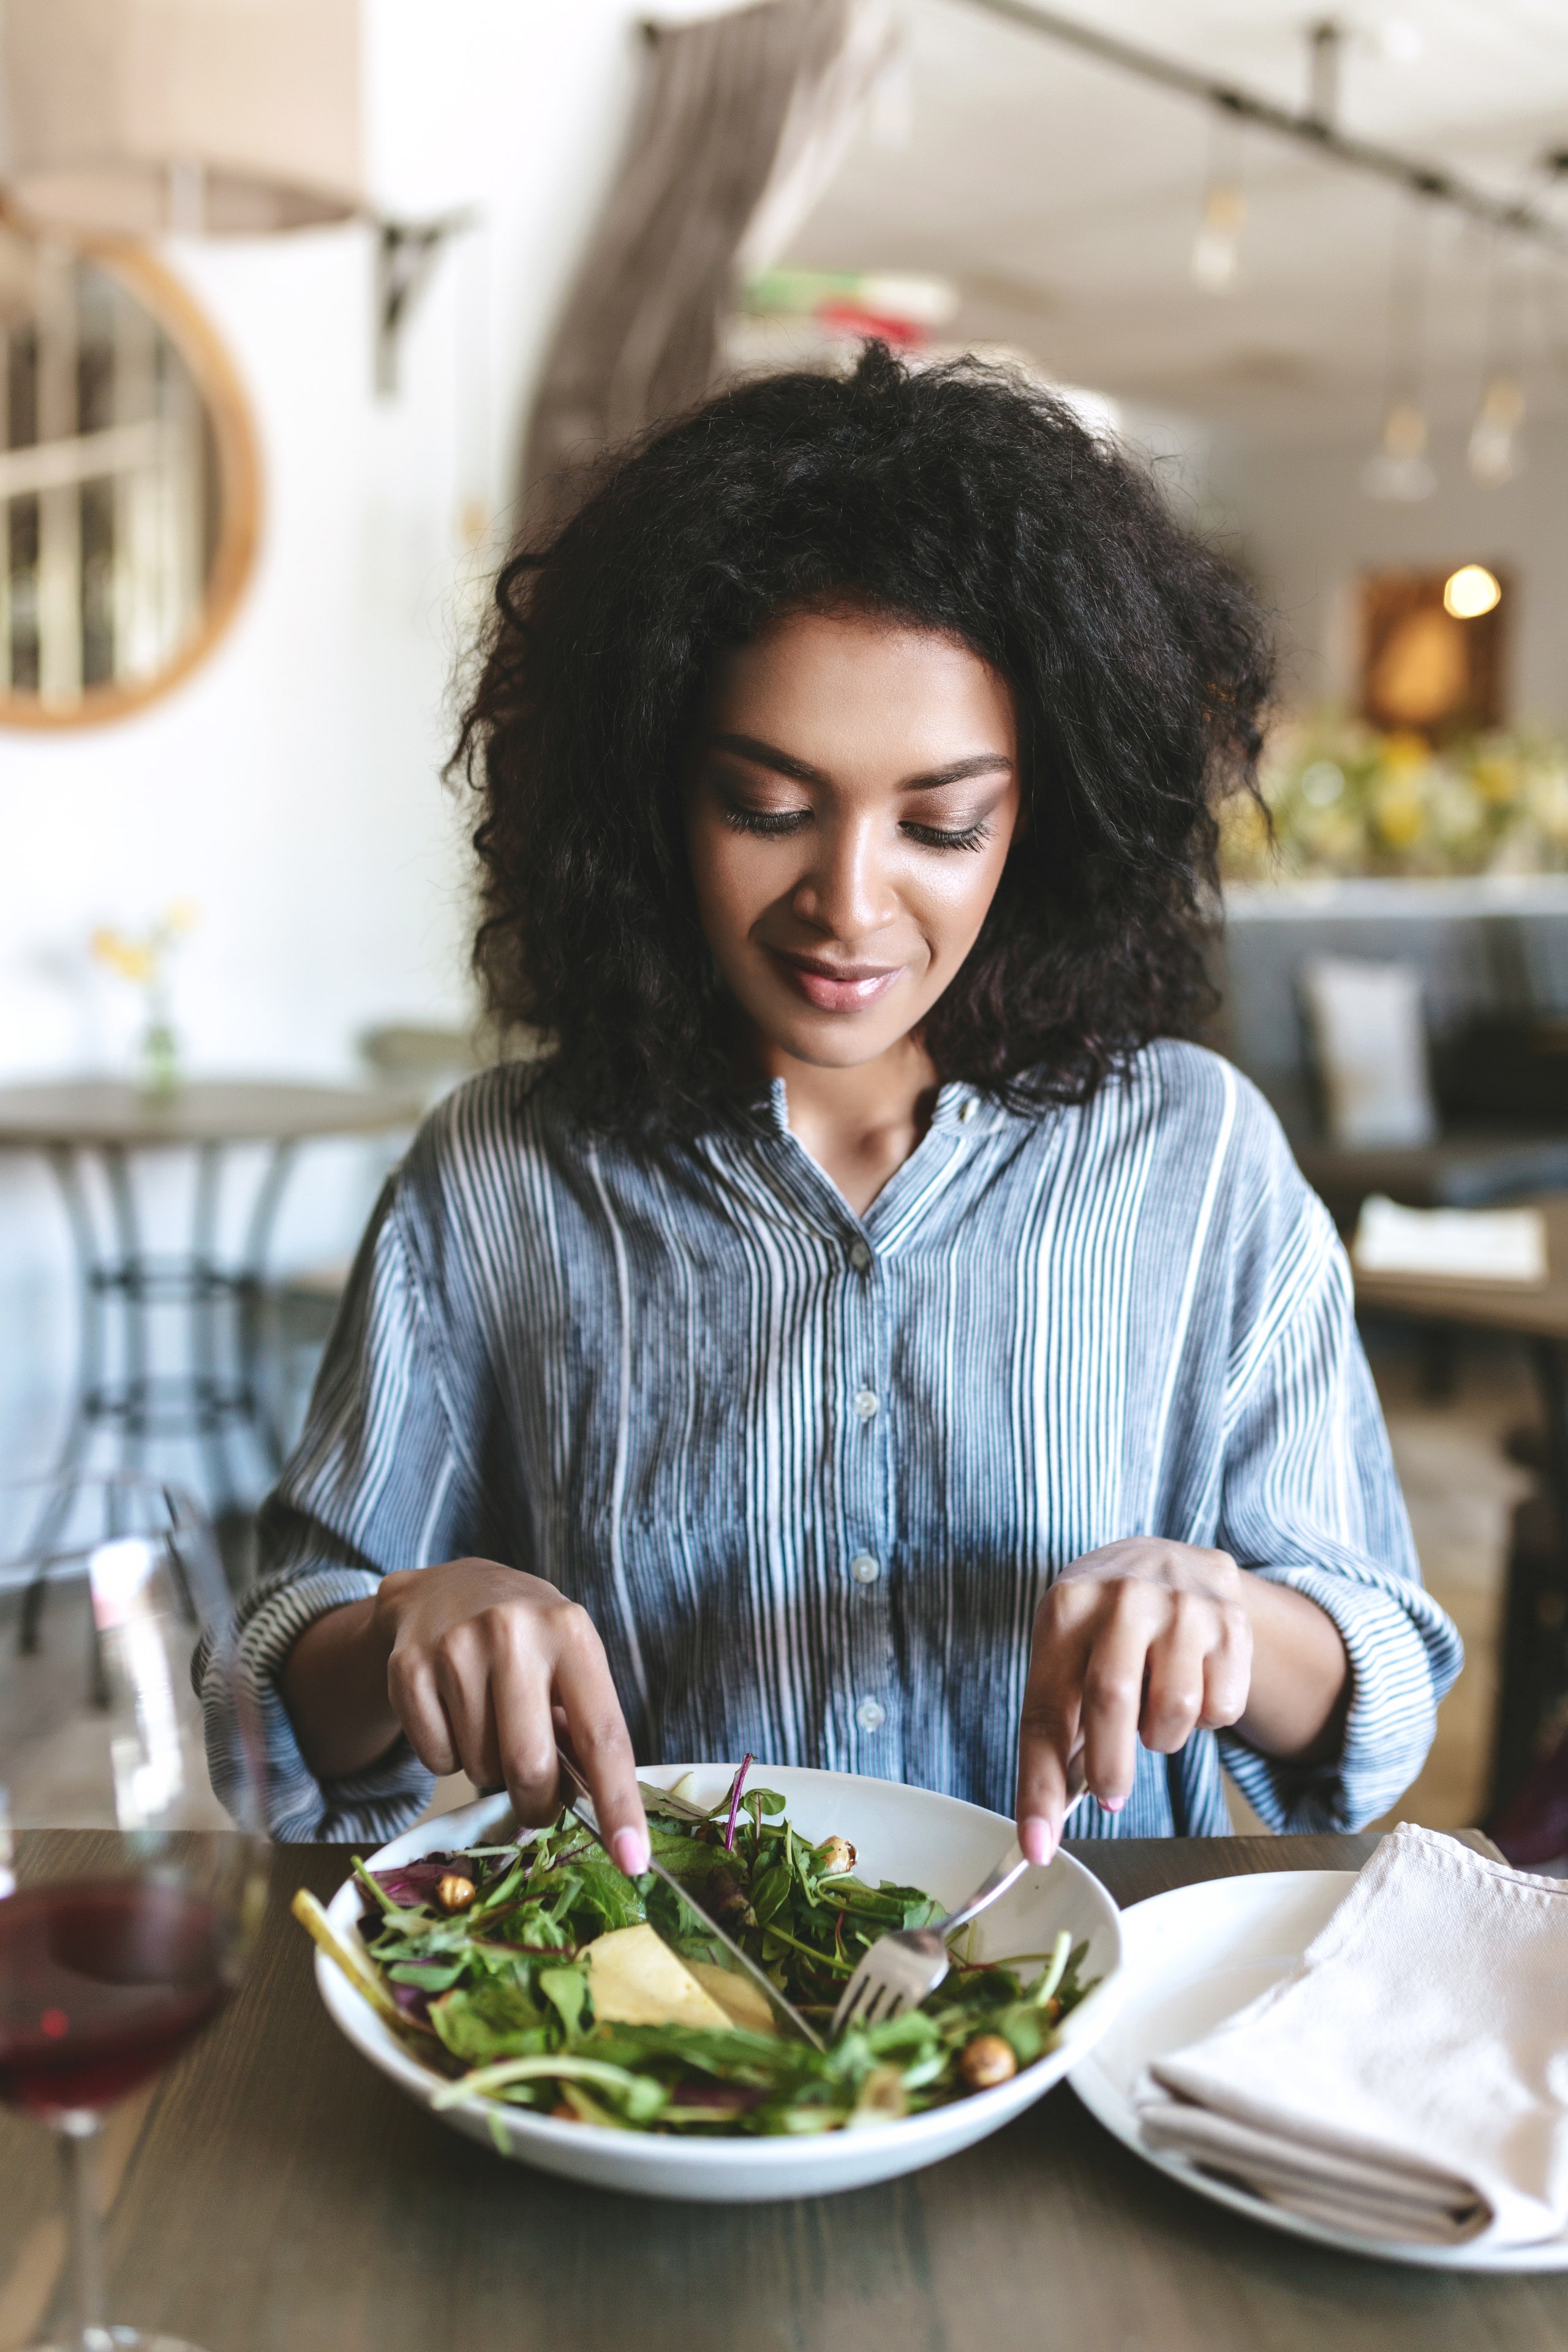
1494, 453
1399, 468
1216, 248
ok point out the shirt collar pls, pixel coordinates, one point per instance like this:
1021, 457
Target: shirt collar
960, 1108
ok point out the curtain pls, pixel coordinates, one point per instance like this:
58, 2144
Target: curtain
741, 120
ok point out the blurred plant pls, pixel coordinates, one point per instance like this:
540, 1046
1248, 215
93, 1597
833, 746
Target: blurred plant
143, 963
1345, 799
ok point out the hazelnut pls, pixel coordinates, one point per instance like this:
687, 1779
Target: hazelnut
987, 2060
455, 1893
834, 1856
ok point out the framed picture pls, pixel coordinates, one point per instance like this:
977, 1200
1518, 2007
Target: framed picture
1423, 667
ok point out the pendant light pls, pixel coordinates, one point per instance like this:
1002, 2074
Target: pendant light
1494, 454
1399, 468
135, 118
1216, 262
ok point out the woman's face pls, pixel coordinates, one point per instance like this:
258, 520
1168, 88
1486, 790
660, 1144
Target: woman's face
851, 799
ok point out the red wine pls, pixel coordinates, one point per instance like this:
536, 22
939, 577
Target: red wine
101, 1983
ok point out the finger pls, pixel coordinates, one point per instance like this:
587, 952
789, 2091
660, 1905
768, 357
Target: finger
525, 1732
1228, 1672
1174, 1678
601, 1742
1113, 1691
462, 1675
415, 1702
1042, 1796
1047, 1736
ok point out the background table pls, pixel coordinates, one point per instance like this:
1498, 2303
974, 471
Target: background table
96, 1124
275, 2194
1532, 1673
1466, 1167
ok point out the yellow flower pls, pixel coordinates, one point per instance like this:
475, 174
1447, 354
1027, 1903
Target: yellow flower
128, 958
1497, 777
1398, 808
1405, 751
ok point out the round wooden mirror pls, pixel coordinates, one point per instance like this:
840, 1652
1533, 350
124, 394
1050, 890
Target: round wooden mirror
128, 482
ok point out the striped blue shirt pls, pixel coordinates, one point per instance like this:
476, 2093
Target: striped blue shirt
810, 1472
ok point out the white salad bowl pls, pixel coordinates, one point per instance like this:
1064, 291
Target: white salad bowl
908, 1835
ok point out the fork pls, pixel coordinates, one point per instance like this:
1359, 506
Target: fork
903, 1968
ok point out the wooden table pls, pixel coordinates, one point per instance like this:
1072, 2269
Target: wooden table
90, 1131
276, 2195
1533, 1660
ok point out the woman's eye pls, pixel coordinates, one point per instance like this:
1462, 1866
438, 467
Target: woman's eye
932, 836
764, 821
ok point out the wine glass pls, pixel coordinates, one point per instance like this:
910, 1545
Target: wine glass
115, 1950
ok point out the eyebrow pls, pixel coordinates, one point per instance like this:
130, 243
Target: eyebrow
768, 755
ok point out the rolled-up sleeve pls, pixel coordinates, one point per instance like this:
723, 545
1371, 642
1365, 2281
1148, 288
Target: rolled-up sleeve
1311, 1499
376, 1483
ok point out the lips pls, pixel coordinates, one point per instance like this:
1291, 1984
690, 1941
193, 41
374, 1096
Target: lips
837, 987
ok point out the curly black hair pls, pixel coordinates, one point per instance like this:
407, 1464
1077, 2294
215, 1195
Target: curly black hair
961, 499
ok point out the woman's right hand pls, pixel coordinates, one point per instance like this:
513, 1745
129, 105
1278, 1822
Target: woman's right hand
482, 1667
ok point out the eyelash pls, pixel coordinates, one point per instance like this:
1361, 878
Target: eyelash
772, 825
971, 836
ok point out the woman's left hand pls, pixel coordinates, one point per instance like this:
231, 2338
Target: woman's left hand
1150, 1640
1142, 1639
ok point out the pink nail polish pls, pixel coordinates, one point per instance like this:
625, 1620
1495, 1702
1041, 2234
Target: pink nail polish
630, 1848
1035, 1838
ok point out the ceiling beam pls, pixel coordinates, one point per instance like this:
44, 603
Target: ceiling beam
1515, 217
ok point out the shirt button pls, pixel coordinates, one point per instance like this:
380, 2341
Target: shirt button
864, 1569
860, 1256
870, 1715
966, 1110
865, 1404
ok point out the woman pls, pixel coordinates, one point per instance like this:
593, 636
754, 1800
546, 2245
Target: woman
870, 1338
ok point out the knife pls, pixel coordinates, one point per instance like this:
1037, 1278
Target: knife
581, 1806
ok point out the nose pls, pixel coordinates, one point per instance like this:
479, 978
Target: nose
845, 892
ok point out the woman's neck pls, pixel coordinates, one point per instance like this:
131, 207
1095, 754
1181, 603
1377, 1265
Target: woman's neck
860, 1125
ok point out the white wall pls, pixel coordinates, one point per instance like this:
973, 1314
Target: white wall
291, 787
1310, 529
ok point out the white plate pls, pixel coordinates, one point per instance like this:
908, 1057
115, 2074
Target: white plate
908, 1835
1198, 1954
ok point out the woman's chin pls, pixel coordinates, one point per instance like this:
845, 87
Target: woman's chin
834, 1040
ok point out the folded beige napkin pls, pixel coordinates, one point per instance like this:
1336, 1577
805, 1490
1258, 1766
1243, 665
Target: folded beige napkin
1408, 2079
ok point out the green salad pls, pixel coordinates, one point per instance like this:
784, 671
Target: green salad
536, 1974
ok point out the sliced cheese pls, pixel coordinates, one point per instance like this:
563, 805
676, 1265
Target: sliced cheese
636, 1980
745, 2003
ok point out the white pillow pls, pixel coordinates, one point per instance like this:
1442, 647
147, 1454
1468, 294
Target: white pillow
1370, 1045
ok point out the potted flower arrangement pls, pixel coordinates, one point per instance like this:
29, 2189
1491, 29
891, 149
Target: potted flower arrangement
144, 960
1346, 800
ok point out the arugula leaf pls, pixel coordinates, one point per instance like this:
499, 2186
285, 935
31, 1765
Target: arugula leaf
429, 1980
771, 1893
566, 1990
640, 2097
488, 2021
